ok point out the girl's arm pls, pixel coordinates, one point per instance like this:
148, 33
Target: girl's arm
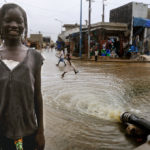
39, 139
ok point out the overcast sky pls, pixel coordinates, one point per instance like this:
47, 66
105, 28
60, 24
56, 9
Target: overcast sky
47, 16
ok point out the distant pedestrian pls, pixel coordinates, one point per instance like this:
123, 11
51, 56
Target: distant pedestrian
96, 55
47, 47
69, 65
60, 44
61, 58
146, 50
117, 46
96, 51
52, 46
140, 46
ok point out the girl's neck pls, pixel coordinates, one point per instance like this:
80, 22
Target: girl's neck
12, 44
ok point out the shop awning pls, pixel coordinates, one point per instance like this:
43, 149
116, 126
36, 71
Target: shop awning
141, 22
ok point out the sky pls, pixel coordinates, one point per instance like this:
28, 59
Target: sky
48, 16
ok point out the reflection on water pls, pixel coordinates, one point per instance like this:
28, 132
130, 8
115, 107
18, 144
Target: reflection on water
83, 110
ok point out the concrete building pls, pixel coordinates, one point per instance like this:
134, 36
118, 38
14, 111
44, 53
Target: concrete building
125, 13
36, 41
120, 27
46, 41
70, 26
70, 29
100, 33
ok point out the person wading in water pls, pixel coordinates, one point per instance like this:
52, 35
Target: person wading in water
21, 104
69, 66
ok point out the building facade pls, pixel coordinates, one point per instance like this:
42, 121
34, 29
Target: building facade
125, 13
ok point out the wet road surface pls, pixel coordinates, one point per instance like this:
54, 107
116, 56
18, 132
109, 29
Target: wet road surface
81, 112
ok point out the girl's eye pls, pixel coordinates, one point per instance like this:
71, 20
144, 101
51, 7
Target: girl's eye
7, 20
19, 21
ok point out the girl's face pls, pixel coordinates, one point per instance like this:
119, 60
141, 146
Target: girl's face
13, 24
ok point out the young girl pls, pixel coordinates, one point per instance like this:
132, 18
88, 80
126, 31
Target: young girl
21, 106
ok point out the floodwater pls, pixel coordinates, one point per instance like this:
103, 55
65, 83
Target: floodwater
81, 112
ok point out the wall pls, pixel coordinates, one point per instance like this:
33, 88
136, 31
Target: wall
36, 39
125, 13
140, 10
148, 33
148, 13
121, 14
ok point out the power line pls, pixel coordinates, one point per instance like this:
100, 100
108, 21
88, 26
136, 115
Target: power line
47, 10
41, 11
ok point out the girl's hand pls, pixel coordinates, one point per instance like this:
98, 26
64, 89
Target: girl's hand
39, 141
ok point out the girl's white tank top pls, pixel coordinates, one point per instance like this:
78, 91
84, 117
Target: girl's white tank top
10, 63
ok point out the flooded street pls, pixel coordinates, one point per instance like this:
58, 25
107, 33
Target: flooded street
82, 111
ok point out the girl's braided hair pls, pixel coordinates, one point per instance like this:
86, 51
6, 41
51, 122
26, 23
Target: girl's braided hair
4, 9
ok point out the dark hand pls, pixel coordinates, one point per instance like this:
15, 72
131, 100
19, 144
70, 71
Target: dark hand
39, 141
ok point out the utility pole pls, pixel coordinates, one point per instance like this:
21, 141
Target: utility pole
60, 23
89, 27
80, 52
103, 15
